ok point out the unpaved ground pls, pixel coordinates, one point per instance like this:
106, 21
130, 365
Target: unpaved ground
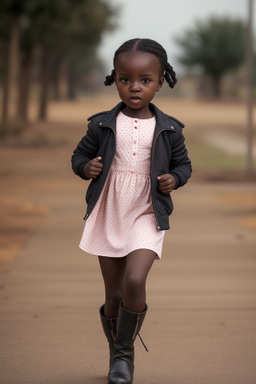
27, 173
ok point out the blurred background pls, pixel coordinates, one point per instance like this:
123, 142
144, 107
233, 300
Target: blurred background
62, 50
55, 54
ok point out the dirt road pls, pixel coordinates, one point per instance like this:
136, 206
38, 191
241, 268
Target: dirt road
201, 323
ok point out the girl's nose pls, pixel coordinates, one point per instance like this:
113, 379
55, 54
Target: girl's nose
135, 86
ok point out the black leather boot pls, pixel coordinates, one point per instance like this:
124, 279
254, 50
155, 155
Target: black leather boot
109, 328
128, 326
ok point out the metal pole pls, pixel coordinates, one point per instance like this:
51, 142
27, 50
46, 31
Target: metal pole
250, 88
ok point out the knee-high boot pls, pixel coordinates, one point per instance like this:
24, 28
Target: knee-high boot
128, 326
109, 328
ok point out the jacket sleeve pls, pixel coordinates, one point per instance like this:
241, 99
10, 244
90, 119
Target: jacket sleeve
180, 165
85, 151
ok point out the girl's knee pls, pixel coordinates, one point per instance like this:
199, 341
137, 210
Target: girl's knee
113, 299
134, 285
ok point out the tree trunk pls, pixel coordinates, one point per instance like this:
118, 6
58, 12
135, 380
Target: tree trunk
217, 87
10, 89
5, 100
56, 72
56, 86
71, 82
24, 86
42, 115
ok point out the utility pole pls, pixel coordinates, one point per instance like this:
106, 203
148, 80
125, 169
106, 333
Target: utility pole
250, 87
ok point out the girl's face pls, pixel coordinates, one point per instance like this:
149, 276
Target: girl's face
138, 76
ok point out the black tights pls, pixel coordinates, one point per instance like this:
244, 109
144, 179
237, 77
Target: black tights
125, 279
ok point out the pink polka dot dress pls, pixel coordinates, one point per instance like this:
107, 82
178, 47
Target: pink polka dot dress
123, 219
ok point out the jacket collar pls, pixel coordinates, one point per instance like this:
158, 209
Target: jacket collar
163, 121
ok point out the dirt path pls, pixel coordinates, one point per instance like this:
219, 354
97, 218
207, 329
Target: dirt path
200, 328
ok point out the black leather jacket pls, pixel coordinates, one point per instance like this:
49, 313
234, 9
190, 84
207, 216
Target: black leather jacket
168, 155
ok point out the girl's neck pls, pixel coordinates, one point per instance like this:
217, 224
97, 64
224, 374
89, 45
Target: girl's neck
144, 113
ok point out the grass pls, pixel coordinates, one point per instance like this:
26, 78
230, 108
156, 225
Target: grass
206, 156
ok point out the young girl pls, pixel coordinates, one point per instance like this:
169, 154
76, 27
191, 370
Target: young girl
135, 156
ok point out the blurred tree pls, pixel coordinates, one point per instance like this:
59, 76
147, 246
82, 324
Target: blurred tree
28, 43
88, 23
216, 46
10, 11
69, 32
56, 31
254, 66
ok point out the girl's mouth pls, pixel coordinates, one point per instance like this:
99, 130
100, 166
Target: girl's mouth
135, 99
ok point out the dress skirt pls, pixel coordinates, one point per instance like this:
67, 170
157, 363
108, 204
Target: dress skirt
123, 219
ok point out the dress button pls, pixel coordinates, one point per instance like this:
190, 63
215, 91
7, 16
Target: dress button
135, 127
135, 121
134, 154
134, 142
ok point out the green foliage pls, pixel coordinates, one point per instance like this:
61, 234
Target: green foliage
53, 31
206, 156
62, 25
216, 46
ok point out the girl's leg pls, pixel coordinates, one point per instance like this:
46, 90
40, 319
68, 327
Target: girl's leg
131, 315
112, 270
138, 265
125, 278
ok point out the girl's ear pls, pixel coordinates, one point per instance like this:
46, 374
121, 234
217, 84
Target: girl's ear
160, 84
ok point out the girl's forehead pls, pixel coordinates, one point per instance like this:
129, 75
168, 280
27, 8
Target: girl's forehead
137, 60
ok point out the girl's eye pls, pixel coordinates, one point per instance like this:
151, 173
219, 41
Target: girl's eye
145, 81
124, 80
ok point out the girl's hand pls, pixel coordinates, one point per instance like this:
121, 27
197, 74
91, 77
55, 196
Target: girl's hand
93, 168
166, 183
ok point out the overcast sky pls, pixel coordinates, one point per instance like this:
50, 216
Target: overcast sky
163, 20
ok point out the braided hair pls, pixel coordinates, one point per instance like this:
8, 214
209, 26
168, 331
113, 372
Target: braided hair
149, 46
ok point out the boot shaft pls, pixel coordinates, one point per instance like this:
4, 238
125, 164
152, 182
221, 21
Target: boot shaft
109, 326
122, 365
129, 324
